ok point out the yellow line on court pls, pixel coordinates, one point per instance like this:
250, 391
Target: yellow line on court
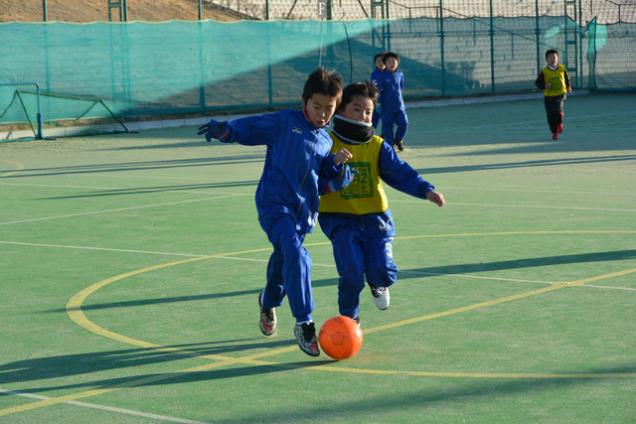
74, 305
18, 166
75, 313
500, 300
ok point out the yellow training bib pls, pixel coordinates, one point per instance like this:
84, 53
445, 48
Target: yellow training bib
556, 79
365, 194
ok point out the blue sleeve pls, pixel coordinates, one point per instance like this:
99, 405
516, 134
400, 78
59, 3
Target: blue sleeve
379, 81
257, 130
328, 168
322, 186
399, 174
375, 78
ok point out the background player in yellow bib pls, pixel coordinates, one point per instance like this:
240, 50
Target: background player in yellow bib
555, 83
357, 219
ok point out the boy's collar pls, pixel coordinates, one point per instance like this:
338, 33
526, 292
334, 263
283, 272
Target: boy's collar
352, 132
553, 68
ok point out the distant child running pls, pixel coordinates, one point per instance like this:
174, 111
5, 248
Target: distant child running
555, 83
357, 219
393, 108
376, 76
298, 153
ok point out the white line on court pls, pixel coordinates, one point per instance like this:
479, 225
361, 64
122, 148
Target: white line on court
611, 287
105, 211
513, 124
105, 408
478, 277
527, 190
499, 205
105, 249
57, 186
235, 258
119, 190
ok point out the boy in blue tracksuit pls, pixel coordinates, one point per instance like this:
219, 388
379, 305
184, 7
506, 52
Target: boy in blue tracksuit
393, 107
376, 76
357, 219
298, 152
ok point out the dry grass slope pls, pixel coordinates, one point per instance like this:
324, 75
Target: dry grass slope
97, 10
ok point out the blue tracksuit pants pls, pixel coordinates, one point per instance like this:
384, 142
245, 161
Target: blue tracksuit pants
362, 246
392, 118
289, 269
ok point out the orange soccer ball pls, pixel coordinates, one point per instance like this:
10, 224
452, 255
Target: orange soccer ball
340, 337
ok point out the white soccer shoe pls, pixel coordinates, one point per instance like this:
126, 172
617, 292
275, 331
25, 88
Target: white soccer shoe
381, 297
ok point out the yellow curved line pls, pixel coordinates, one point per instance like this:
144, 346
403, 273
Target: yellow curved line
18, 167
75, 313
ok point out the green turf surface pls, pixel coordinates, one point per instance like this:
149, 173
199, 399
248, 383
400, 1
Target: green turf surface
130, 266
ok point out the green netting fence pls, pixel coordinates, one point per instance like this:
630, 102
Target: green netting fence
179, 67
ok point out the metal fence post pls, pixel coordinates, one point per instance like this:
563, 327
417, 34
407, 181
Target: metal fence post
125, 3
44, 11
202, 73
537, 32
441, 46
492, 49
579, 78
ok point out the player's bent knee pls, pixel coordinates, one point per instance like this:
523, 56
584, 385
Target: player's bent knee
352, 282
383, 277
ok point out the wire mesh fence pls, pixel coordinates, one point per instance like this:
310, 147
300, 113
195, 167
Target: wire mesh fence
604, 11
178, 67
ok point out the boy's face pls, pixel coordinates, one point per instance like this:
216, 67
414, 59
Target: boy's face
320, 108
378, 63
360, 108
392, 64
553, 59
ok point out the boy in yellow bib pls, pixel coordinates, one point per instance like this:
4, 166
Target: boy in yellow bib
555, 83
357, 219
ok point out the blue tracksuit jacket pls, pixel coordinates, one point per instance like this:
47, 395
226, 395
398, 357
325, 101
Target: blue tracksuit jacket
287, 199
297, 154
391, 85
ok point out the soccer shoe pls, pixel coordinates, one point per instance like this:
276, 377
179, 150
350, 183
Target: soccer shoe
306, 337
400, 145
560, 128
267, 322
381, 296
555, 136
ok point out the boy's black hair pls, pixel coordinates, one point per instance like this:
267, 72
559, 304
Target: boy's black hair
322, 81
365, 89
377, 55
551, 51
387, 55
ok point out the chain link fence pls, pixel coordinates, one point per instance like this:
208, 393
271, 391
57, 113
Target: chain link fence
456, 48
604, 11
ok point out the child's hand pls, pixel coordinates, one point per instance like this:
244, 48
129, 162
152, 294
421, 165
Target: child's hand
570, 89
437, 198
215, 130
342, 156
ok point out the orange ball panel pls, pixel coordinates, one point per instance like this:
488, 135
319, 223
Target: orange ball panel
340, 337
